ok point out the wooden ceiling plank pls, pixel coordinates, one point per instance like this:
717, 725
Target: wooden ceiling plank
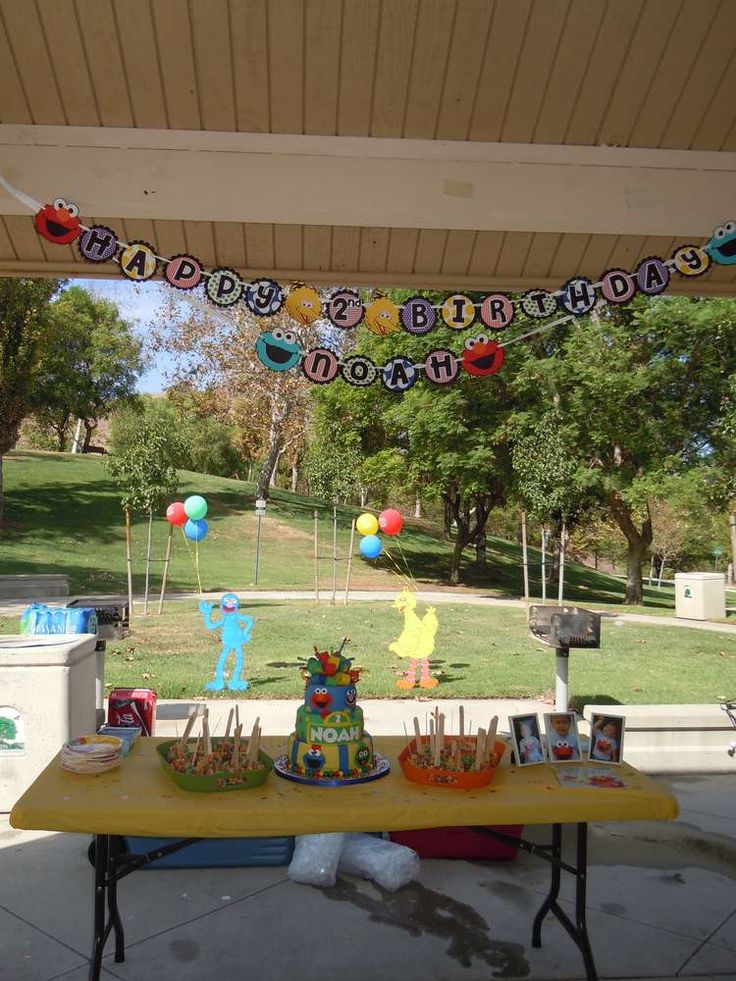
250, 65
200, 241
541, 254
67, 55
174, 42
393, 62
604, 68
464, 66
345, 248
170, 239
229, 244
430, 250
322, 66
458, 252
434, 22
14, 106
259, 246
26, 243
140, 58
648, 44
286, 65
595, 259
357, 66
626, 252
543, 33
719, 118
568, 70
105, 62
402, 248
569, 256
287, 241
508, 29
7, 252
140, 230
485, 255
680, 55
26, 39
514, 252
373, 250
705, 77
211, 30
317, 247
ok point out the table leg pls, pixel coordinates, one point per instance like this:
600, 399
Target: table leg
106, 850
550, 902
116, 848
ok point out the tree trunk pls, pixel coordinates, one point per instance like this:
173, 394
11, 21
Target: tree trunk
274, 472
457, 555
417, 507
639, 541
279, 411
129, 561
148, 563
731, 524
447, 529
481, 556
363, 496
2, 494
294, 479
561, 578
89, 428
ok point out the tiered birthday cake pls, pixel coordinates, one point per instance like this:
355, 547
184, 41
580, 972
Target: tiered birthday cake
329, 745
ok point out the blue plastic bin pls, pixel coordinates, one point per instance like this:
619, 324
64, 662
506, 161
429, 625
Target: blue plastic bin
217, 853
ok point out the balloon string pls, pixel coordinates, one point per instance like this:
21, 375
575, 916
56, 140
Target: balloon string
191, 554
409, 572
196, 565
398, 572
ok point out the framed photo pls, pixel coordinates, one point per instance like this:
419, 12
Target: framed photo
606, 738
563, 741
527, 739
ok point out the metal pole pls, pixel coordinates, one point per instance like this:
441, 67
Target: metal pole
562, 657
525, 555
316, 556
129, 561
167, 560
544, 569
350, 561
148, 563
334, 555
258, 545
561, 578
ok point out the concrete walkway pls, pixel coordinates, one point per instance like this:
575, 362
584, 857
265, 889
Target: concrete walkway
661, 905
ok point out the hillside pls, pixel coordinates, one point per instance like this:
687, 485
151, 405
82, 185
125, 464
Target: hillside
63, 516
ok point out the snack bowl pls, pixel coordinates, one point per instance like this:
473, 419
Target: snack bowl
220, 778
443, 777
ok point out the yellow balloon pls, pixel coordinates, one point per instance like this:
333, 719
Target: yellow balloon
367, 524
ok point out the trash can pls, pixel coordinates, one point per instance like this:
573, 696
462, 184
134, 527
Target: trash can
700, 595
47, 695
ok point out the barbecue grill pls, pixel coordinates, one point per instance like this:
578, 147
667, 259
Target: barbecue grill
564, 627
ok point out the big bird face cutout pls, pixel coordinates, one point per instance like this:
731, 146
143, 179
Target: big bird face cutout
58, 222
304, 305
382, 317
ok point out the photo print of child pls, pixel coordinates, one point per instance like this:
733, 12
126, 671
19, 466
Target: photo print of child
563, 742
527, 739
606, 738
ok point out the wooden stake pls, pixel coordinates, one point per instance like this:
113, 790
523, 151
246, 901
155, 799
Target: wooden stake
188, 729
480, 745
229, 723
316, 556
237, 715
350, 562
129, 561
525, 556
492, 730
418, 735
462, 721
167, 561
253, 742
235, 759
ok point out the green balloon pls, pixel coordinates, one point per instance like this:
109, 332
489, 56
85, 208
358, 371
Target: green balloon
195, 507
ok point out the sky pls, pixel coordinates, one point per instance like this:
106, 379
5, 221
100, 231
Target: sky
138, 303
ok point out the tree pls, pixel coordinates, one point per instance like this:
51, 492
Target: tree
641, 388
146, 474
24, 320
90, 363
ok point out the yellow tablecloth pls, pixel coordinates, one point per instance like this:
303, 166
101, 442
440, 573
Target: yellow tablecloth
139, 798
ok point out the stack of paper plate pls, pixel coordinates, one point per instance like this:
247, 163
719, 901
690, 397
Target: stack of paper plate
92, 754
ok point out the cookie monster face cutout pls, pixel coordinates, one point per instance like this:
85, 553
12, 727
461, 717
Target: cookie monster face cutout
722, 246
58, 222
278, 349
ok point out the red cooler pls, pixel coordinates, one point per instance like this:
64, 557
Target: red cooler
459, 842
130, 707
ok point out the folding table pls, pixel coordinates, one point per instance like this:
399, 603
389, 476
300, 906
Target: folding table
139, 799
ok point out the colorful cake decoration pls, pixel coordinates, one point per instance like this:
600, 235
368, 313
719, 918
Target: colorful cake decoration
329, 746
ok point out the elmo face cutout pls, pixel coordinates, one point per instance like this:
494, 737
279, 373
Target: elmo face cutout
481, 356
58, 222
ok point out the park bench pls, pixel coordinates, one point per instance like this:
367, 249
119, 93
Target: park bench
34, 587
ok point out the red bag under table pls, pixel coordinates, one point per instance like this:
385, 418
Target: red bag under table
459, 842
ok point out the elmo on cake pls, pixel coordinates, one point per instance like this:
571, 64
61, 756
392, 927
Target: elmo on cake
329, 746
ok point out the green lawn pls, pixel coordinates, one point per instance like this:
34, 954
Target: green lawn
480, 652
63, 516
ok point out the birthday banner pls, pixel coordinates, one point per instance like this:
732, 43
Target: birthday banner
280, 350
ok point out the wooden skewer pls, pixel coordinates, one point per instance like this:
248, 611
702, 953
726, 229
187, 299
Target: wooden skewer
229, 723
480, 745
491, 740
438, 740
188, 729
418, 735
252, 742
196, 751
206, 734
462, 721
441, 734
237, 716
456, 754
235, 760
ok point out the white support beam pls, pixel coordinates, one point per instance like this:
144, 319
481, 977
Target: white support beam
314, 180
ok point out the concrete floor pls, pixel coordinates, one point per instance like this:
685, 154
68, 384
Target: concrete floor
661, 904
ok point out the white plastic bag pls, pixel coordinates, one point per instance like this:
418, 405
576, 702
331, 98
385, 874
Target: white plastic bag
388, 864
315, 859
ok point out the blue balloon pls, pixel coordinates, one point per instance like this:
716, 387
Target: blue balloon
371, 547
195, 530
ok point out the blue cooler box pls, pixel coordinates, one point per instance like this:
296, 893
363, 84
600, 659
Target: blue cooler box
216, 853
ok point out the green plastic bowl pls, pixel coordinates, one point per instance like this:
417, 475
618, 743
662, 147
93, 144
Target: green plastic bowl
214, 783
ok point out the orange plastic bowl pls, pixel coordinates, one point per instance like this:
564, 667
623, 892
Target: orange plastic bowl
458, 780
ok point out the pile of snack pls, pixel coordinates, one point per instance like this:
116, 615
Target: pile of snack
208, 756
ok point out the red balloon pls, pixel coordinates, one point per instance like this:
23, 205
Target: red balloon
390, 522
176, 515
